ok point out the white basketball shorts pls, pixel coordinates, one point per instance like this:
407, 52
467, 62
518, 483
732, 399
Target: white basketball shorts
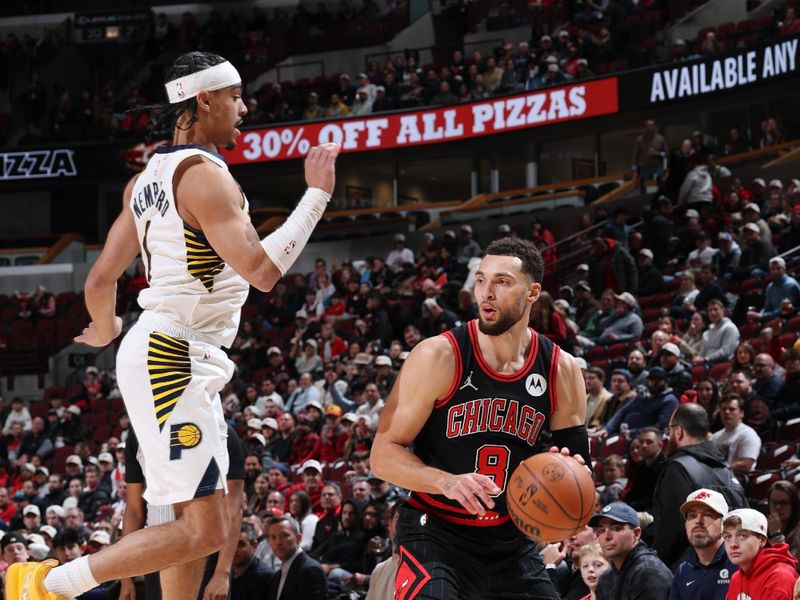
170, 378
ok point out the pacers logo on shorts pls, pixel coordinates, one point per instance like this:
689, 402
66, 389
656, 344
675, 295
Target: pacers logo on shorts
183, 436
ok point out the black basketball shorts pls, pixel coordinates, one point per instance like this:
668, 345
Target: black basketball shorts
444, 561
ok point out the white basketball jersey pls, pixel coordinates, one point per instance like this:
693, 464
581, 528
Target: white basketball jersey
189, 282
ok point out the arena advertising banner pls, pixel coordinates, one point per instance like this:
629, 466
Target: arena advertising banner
37, 164
435, 125
693, 80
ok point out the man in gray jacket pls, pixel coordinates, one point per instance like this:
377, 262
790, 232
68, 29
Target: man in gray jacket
624, 324
720, 339
696, 188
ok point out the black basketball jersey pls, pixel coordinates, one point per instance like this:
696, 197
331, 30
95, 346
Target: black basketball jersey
488, 422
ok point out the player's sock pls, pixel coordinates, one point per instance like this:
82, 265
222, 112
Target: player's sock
72, 579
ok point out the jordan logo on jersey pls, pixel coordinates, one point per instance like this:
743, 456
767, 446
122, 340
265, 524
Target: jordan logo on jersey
468, 383
536, 385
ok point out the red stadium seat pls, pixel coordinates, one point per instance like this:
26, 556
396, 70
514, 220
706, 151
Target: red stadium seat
787, 340
748, 285
596, 353
744, 27
793, 325
758, 488
726, 30
594, 446
775, 453
720, 371
617, 350
749, 330
698, 373
790, 430
613, 444
598, 472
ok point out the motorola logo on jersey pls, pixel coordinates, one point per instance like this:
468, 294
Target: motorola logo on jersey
536, 385
498, 415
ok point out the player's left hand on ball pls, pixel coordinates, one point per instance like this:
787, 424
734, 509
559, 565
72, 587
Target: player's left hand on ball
566, 452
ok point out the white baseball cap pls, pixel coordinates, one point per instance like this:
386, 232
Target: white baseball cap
31, 509
74, 459
57, 510
254, 424
671, 348
749, 519
100, 537
311, 464
105, 457
383, 361
269, 422
776, 183
713, 500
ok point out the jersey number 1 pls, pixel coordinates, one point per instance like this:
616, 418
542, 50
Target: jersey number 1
492, 461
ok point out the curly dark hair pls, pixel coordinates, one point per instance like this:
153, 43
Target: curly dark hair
164, 116
526, 251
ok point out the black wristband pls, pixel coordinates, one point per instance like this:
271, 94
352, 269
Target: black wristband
576, 439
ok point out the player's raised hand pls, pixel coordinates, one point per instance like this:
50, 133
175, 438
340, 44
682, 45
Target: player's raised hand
321, 166
473, 491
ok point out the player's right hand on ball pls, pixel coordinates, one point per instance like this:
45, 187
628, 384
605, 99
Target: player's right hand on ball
473, 491
321, 166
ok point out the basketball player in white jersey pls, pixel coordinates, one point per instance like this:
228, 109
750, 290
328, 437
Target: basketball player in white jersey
188, 218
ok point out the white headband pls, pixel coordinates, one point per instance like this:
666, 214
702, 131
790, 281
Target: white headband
214, 78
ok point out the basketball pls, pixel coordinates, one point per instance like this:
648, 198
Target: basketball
550, 496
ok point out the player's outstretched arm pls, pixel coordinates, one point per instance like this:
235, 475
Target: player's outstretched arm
568, 420
427, 375
213, 198
100, 290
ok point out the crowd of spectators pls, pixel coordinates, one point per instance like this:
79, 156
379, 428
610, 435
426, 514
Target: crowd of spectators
601, 37
694, 342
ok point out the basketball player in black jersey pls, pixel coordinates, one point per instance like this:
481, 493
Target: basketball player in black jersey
468, 406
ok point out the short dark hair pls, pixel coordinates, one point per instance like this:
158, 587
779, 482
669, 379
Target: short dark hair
733, 398
693, 418
526, 251
250, 531
601, 375
68, 537
284, 519
654, 430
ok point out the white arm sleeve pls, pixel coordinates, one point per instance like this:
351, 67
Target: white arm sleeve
284, 245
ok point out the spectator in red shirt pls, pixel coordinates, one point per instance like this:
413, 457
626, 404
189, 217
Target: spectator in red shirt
306, 444
334, 436
331, 345
791, 24
311, 472
7, 508
547, 320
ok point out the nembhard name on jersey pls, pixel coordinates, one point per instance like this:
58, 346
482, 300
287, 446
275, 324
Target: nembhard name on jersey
149, 196
497, 415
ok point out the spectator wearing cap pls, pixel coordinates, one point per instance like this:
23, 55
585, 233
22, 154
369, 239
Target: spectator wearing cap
699, 575
621, 393
643, 411
31, 518
106, 460
313, 109
636, 571
467, 247
334, 436
14, 548
277, 370
277, 478
765, 570
624, 324
651, 281
400, 254
586, 305
720, 339
382, 492
703, 254
306, 444
728, 257
679, 376
314, 412
752, 214
693, 463
611, 266
363, 102
386, 95
71, 429
306, 392
55, 516
93, 496
385, 375
736, 441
